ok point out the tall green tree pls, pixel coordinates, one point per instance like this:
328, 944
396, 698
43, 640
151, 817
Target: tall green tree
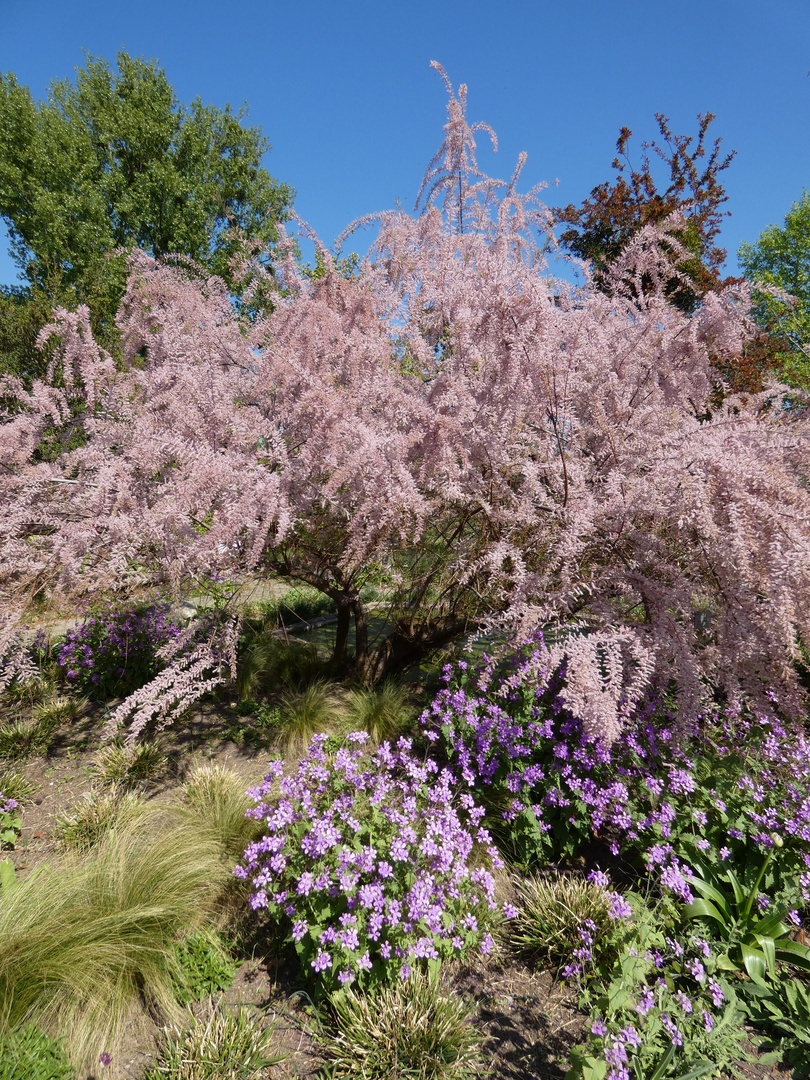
113, 161
780, 258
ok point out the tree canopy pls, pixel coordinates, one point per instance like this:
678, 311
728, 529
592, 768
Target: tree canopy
493, 448
780, 258
613, 213
113, 161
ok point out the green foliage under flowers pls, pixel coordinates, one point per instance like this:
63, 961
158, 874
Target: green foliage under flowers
411, 1031
30, 1054
226, 1046
204, 966
10, 822
82, 939
753, 940
551, 911
659, 1006
128, 765
782, 1010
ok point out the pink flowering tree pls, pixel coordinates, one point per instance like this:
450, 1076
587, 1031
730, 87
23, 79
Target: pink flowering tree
496, 448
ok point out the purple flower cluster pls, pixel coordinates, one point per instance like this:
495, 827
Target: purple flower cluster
115, 652
663, 797
375, 862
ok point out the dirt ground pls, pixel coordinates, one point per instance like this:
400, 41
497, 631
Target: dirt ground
528, 1023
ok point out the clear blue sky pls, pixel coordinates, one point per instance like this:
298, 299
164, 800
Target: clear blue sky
346, 97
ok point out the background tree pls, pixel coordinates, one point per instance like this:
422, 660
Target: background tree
781, 258
498, 450
113, 161
614, 212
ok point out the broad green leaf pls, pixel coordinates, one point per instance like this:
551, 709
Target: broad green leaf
711, 893
754, 962
791, 952
769, 952
704, 909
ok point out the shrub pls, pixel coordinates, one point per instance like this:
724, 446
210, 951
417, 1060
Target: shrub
113, 653
410, 1031
373, 864
30, 1054
226, 1046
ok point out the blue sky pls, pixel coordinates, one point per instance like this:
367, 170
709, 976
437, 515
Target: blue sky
346, 97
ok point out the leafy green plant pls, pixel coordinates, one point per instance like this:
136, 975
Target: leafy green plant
126, 766
10, 821
659, 1007
81, 939
410, 1030
752, 941
384, 712
60, 710
82, 826
30, 1054
205, 966
551, 912
782, 1010
226, 1046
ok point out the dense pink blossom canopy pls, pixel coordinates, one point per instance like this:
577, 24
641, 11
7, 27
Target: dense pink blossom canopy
556, 446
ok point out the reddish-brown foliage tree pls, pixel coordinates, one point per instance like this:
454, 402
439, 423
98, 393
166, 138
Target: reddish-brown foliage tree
613, 213
497, 448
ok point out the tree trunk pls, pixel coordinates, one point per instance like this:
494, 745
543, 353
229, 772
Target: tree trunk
361, 656
344, 617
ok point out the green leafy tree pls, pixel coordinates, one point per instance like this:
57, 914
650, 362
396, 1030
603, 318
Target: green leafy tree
113, 161
781, 259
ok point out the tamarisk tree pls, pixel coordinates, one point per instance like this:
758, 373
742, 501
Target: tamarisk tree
497, 449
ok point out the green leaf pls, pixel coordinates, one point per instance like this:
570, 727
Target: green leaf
769, 951
754, 962
700, 1069
791, 952
710, 892
6, 874
704, 909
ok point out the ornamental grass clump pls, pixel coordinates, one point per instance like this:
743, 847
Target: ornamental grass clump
408, 1031
374, 864
83, 939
